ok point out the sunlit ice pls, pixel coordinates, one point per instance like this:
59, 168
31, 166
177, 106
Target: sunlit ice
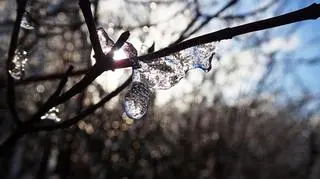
117, 55
109, 80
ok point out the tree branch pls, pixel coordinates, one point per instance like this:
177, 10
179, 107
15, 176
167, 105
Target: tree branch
11, 98
311, 12
86, 112
308, 13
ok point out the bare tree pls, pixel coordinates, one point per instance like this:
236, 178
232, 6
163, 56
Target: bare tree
223, 143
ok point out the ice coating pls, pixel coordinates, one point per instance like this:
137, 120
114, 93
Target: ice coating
18, 64
161, 73
106, 43
165, 72
52, 114
198, 57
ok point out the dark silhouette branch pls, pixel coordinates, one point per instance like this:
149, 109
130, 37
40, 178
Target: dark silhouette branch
46, 77
308, 13
311, 12
21, 4
87, 14
85, 113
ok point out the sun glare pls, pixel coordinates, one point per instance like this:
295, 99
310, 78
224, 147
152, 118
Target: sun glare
119, 54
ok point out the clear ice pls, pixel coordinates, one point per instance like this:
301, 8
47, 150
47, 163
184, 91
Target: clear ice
165, 72
52, 114
137, 100
18, 64
106, 43
161, 73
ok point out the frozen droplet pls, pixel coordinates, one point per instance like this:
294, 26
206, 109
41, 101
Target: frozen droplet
18, 64
52, 114
26, 22
137, 100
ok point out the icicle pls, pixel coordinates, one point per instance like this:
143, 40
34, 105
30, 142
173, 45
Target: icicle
26, 22
52, 114
137, 100
19, 60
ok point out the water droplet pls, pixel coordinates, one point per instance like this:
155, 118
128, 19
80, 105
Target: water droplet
18, 64
52, 114
137, 100
26, 22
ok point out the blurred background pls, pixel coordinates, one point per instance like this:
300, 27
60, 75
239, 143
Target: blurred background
254, 115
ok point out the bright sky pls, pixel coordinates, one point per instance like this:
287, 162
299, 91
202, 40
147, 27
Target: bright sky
300, 43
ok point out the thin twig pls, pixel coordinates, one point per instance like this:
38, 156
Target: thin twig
86, 112
87, 14
93, 72
51, 101
311, 12
63, 81
209, 18
308, 13
184, 34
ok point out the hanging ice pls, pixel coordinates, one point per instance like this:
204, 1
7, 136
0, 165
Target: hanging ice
52, 114
137, 100
26, 22
161, 73
18, 64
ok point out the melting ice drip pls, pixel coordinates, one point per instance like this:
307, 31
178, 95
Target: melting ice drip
18, 64
161, 73
52, 114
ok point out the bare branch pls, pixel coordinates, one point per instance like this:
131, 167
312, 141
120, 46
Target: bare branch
21, 4
86, 112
